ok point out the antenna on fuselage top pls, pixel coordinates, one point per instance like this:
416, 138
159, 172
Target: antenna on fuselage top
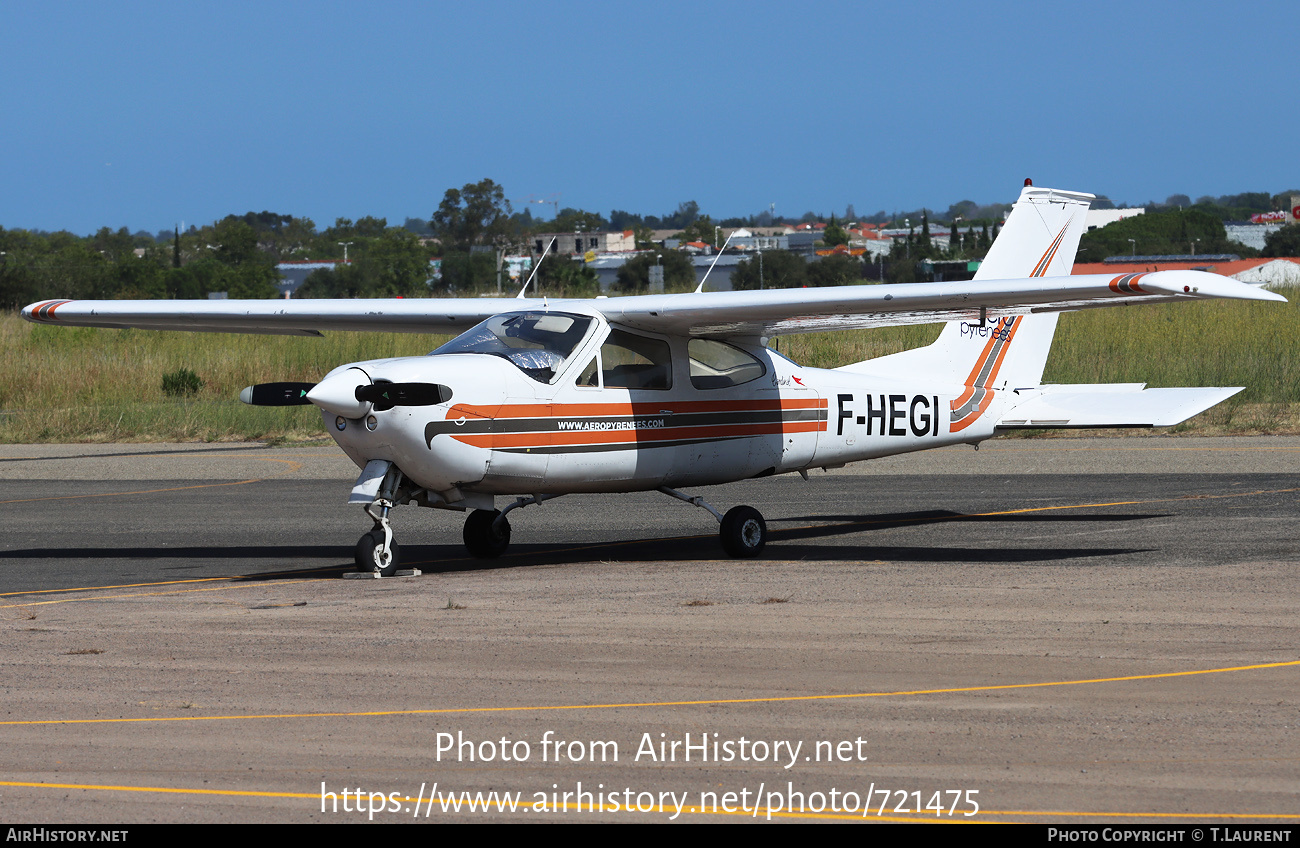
536, 267
700, 287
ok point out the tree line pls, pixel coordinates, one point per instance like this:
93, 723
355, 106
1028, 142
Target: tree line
475, 226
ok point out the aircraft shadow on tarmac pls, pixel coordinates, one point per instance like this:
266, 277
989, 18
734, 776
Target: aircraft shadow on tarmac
810, 543
144, 453
802, 543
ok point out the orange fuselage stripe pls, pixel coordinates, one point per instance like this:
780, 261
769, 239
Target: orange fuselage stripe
612, 437
577, 410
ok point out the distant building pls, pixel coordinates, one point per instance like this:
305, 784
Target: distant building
1271, 272
1252, 235
581, 243
295, 273
1101, 217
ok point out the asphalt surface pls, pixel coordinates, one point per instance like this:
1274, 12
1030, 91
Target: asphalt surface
1099, 630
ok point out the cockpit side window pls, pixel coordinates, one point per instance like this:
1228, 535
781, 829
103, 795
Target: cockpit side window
589, 376
718, 365
629, 361
538, 343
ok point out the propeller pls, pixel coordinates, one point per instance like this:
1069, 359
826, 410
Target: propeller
277, 394
382, 396
388, 395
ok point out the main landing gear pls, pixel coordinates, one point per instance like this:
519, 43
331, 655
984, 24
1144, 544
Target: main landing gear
742, 531
487, 532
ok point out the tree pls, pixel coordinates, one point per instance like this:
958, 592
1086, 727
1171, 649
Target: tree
701, 229
620, 220
1168, 232
562, 276
138, 278
679, 272
834, 235
681, 219
113, 245
838, 269
1283, 242
577, 221
392, 264
465, 273
781, 269
249, 271
478, 213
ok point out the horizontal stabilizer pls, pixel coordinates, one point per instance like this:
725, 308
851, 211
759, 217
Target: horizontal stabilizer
1108, 405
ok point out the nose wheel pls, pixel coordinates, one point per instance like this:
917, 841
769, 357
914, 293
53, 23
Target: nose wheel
377, 552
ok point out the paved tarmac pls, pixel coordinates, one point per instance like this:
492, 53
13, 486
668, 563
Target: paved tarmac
1067, 630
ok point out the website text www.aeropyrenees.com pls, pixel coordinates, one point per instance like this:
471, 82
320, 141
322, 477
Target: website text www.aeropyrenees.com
764, 801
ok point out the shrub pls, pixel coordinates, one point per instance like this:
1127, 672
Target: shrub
181, 383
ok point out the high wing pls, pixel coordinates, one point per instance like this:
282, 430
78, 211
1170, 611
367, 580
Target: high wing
754, 313
784, 311
278, 317
1031, 257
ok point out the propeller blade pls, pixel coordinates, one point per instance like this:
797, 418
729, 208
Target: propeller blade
388, 395
277, 394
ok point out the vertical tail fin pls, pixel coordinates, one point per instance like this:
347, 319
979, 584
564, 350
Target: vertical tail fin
1040, 239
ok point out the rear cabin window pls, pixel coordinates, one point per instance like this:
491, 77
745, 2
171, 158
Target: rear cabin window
718, 365
629, 361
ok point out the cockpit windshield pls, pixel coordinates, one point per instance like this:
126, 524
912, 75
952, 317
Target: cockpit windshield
538, 343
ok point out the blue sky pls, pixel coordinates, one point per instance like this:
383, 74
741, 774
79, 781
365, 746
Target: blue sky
149, 114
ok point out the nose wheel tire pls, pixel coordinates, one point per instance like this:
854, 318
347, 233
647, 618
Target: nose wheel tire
743, 532
372, 557
485, 536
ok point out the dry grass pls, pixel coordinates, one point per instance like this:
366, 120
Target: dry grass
69, 384
81, 384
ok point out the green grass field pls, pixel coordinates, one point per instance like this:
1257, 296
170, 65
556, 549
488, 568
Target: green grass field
88, 385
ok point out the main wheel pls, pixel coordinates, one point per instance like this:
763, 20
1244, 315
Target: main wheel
369, 557
481, 537
743, 532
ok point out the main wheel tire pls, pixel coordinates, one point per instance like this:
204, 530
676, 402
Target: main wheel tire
743, 532
369, 558
482, 538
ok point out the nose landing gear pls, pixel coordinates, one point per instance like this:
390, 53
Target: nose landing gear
376, 551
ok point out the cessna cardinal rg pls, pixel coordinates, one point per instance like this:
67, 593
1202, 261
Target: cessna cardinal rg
539, 398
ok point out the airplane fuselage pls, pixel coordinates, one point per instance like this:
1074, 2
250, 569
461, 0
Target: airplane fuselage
504, 432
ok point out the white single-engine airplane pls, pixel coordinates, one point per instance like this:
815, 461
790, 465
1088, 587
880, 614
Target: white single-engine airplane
539, 397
